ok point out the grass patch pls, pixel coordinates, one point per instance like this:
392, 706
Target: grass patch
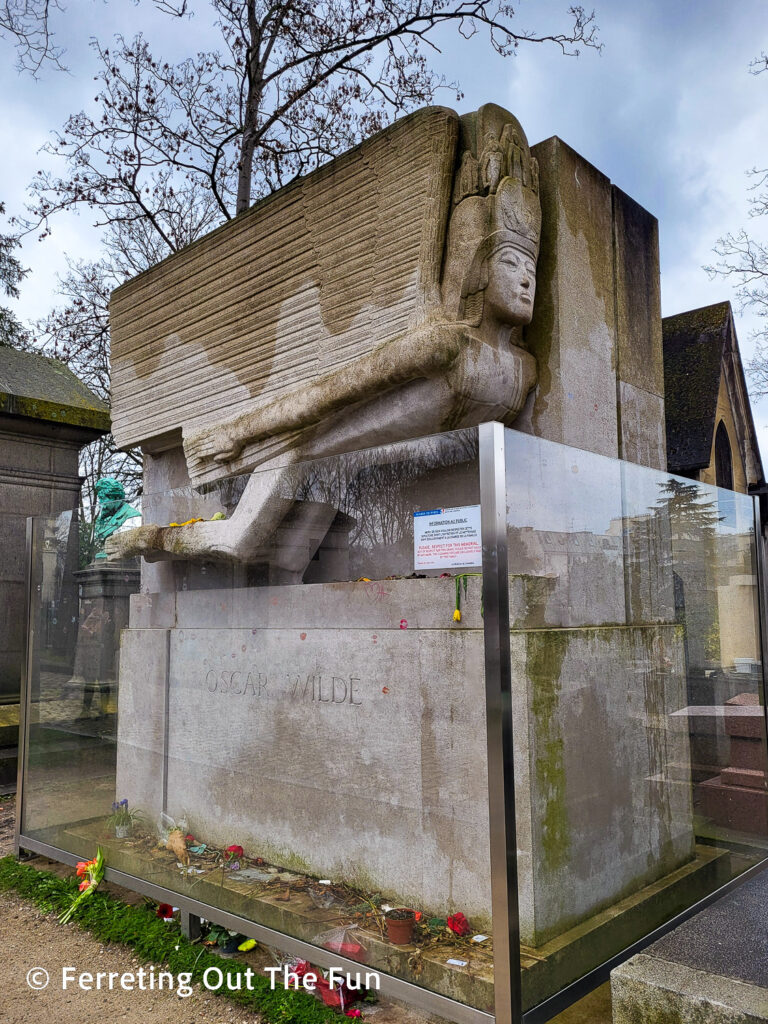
108, 919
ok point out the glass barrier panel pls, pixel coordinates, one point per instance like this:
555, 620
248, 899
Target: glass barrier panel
639, 725
76, 618
281, 713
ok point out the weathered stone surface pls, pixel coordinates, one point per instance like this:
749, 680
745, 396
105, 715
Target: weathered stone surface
642, 439
280, 290
638, 297
103, 614
706, 387
46, 416
596, 329
573, 332
648, 990
142, 717
358, 750
45, 389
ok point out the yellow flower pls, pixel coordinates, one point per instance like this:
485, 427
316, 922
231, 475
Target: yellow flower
457, 616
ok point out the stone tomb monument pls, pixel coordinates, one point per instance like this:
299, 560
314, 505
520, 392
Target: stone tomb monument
387, 296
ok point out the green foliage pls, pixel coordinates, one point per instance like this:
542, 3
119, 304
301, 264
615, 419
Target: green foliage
690, 513
110, 920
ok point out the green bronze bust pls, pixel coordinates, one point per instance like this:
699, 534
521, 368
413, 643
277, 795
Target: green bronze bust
114, 511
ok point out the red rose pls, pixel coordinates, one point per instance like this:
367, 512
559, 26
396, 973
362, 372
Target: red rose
458, 924
234, 852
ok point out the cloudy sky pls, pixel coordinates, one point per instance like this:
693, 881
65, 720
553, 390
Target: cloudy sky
669, 111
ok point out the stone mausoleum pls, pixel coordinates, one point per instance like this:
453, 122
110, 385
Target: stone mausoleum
305, 671
46, 416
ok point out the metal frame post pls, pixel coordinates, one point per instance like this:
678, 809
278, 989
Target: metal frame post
25, 691
762, 597
191, 924
498, 698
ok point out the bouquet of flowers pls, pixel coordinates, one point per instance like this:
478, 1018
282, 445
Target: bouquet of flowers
91, 872
122, 816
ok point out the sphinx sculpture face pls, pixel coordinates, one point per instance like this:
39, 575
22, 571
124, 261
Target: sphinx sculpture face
489, 278
509, 294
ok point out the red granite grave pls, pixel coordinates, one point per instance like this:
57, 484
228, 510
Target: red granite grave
737, 798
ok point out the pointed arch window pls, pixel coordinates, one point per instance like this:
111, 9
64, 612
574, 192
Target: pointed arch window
723, 458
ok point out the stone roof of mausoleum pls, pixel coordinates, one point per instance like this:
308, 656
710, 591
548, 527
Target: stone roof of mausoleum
700, 349
694, 343
41, 388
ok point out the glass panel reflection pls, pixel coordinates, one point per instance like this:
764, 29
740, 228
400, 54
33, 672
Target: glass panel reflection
298, 737
640, 755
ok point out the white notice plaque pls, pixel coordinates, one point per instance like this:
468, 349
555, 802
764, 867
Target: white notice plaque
447, 538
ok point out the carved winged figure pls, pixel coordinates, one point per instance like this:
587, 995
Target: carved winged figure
463, 364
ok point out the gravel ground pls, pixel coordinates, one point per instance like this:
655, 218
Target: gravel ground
29, 938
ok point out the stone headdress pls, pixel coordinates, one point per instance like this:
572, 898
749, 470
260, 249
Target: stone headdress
495, 203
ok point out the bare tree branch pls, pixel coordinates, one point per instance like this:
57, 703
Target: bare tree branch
27, 23
294, 83
743, 259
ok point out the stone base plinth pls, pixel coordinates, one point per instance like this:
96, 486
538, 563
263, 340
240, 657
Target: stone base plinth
739, 807
339, 730
105, 590
748, 753
737, 797
544, 971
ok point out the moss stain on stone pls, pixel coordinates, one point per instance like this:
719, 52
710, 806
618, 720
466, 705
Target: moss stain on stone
543, 328
652, 658
537, 591
546, 650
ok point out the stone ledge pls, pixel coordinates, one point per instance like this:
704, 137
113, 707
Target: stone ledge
647, 990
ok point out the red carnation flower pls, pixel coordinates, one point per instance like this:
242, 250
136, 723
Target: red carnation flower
164, 910
458, 924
